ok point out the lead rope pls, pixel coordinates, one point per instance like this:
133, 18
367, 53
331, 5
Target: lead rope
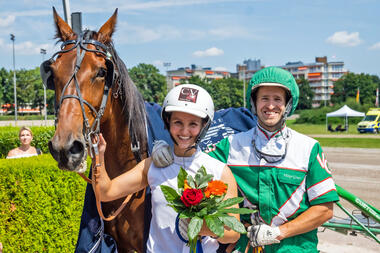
95, 175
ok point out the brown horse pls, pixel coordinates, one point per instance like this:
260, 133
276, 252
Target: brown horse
87, 69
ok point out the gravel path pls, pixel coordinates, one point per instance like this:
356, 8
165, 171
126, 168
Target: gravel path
357, 170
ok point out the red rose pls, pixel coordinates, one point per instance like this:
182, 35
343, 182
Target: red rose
191, 197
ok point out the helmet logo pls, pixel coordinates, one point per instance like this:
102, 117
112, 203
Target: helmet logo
188, 94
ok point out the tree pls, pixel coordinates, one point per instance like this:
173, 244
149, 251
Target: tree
226, 92
347, 86
6, 89
149, 81
306, 94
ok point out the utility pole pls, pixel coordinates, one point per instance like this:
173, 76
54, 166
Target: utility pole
14, 77
66, 10
167, 65
244, 77
43, 52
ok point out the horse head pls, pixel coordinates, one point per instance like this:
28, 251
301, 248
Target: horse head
81, 75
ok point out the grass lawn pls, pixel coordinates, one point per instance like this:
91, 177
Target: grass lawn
310, 129
349, 142
363, 141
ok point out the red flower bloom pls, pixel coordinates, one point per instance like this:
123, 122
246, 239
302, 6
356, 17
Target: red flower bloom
191, 197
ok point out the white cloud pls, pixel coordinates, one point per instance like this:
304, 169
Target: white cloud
231, 32
133, 34
29, 48
220, 69
7, 21
158, 63
213, 51
375, 46
343, 38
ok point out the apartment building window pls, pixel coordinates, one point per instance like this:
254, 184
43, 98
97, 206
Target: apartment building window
337, 68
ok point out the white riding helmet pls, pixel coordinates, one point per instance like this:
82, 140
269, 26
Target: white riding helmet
192, 99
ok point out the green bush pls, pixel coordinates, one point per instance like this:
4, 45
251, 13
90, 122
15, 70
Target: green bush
40, 205
9, 138
25, 117
318, 115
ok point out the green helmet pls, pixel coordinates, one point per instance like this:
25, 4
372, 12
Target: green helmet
274, 76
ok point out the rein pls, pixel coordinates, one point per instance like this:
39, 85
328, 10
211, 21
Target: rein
92, 132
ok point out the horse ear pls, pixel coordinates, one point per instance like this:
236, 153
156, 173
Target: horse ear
106, 31
63, 30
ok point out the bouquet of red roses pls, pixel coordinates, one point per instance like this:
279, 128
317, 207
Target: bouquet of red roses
200, 198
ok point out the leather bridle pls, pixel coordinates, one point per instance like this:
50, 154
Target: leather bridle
91, 132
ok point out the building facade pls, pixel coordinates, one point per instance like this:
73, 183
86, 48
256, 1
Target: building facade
321, 75
176, 77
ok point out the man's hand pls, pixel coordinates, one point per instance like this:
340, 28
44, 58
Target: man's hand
162, 155
263, 234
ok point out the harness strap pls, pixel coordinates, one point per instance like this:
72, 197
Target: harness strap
97, 193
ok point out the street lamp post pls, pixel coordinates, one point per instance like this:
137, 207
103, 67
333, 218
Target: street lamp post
167, 65
14, 77
244, 76
43, 52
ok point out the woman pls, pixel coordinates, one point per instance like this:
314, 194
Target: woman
25, 150
187, 113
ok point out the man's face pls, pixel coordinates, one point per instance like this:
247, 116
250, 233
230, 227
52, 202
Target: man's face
270, 106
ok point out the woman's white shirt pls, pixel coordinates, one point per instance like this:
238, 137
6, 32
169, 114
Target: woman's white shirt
162, 236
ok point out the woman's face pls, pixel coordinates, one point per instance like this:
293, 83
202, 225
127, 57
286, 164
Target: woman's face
25, 137
185, 128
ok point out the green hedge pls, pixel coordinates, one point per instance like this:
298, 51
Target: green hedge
40, 205
9, 138
25, 117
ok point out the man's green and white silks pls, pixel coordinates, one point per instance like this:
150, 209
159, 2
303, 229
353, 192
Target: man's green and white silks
284, 189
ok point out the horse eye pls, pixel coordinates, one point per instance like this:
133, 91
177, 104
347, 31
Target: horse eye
101, 73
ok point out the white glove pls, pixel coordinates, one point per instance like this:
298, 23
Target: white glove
183, 226
162, 155
263, 234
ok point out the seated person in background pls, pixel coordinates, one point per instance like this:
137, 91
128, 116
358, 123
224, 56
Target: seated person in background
330, 128
25, 150
340, 129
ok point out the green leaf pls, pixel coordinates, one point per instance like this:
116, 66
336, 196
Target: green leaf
203, 182
198, 178
230, 202
215, 225
169, 193
191, 182
181, 178
233, 223
202, 212
237, 210
202, 171
195, 226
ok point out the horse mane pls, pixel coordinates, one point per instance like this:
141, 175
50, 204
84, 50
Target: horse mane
132, 101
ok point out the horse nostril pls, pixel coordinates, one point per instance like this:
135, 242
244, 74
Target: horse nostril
76, 148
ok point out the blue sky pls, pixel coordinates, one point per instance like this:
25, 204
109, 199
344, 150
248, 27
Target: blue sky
209, 33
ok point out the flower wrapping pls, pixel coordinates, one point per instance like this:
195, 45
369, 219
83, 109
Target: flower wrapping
201, 199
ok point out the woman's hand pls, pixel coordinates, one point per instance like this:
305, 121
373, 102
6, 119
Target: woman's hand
102, 145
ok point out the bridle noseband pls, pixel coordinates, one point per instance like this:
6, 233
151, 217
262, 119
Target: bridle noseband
81, 48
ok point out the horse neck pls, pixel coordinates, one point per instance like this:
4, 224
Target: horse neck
118, 156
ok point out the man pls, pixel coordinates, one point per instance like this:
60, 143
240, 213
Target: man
279, 171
